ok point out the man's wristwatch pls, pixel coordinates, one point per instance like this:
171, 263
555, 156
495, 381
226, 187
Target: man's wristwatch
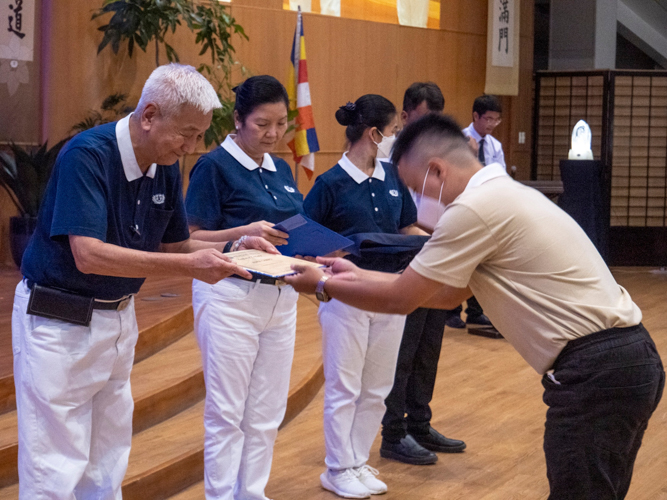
320, 292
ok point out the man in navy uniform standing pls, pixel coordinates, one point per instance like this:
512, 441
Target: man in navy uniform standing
112, 215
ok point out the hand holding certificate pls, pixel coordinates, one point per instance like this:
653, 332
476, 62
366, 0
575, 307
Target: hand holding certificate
266, 264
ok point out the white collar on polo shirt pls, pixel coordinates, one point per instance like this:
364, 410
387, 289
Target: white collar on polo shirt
127, 156
359, 176
239, 155
491, 171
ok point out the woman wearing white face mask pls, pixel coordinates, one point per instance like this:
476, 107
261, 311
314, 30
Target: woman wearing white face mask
361, 194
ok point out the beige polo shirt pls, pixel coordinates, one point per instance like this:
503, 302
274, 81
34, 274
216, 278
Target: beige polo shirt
535, 272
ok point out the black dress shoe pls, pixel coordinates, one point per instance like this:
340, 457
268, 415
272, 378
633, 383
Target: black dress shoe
455, 321
435, 441
407, 451
480, 320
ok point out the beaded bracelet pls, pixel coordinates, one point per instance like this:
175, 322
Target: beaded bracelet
239, 242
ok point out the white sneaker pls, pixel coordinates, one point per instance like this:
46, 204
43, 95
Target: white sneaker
344, 483
366, 475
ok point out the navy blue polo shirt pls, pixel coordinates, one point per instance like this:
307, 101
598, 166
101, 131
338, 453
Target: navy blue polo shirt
228, 189
97, 190
348, 201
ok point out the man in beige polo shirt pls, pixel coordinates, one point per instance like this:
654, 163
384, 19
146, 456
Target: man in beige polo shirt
546, 289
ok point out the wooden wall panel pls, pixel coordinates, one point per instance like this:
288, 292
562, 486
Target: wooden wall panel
346, 59
465, 16
521, 117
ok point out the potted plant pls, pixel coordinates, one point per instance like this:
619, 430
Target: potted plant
113, 108
24, 174
142, 22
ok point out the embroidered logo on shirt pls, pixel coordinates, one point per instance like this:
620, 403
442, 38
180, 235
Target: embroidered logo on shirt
393, 192
158, 199
289, 189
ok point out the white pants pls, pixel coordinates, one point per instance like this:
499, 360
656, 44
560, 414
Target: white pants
360, 350
246, 334
73, 402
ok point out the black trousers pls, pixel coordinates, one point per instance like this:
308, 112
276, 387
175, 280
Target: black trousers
473, 309
609, 384
416, 370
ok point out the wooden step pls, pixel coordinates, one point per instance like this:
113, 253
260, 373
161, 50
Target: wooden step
8, 449
166, 457
9, 278
163, 312
194, 492
167, 383
183, 472
10, 492
163, 458
162, 386
156, 337
167, 449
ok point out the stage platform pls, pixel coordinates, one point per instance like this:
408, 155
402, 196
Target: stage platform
167, 385
485, 394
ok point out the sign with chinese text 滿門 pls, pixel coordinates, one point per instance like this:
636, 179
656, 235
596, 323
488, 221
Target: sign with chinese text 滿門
502, 50
17, 29
502, 47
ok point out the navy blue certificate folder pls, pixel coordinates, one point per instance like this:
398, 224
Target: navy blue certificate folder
310, 239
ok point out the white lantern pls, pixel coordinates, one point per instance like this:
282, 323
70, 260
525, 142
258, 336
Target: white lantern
581, 142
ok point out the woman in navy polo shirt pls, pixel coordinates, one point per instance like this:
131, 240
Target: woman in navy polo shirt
361, 194
245, 329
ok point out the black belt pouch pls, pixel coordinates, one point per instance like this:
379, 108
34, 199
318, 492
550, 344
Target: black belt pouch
59, 304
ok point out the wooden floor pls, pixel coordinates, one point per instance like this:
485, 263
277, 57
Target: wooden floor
489, 397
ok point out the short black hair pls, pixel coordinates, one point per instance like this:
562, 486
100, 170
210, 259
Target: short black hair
258, 90
370, 110
443, 127
419, 92
486, 103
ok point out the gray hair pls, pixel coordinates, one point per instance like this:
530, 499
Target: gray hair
173, 85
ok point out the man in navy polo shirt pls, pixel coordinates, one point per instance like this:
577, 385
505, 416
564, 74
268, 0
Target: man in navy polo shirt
112, 215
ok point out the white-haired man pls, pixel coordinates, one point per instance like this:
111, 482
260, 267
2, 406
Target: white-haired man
112, 215
547, 290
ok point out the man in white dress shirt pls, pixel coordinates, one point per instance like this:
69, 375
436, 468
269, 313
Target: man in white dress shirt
486, 116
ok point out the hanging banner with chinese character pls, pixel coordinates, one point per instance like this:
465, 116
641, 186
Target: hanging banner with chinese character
503, 33
502, 54
19, 72
17, 29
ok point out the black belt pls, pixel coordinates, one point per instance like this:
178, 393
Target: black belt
115, 305
264, 280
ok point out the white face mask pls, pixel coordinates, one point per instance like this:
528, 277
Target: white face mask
429, 210
385, 145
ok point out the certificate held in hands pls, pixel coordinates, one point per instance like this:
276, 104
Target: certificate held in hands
260, 263
310, 239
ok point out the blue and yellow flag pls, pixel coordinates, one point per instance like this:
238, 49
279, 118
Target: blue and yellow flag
304, 142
